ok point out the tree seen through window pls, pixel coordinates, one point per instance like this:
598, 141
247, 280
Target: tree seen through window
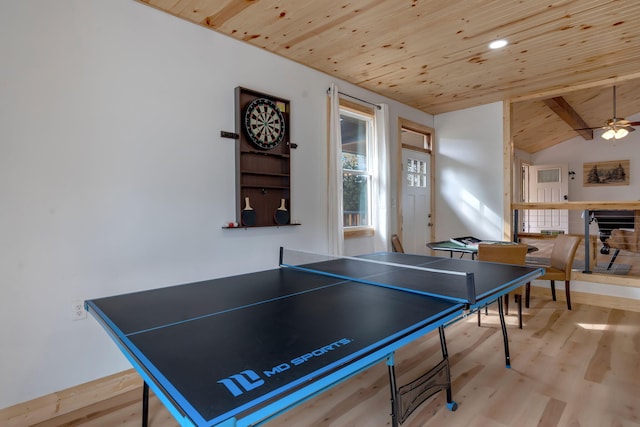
355, 133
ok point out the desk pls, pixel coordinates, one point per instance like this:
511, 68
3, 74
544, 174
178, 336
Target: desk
240, 350
449, 246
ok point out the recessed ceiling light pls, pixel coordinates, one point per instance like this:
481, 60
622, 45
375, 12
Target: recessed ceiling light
497, 44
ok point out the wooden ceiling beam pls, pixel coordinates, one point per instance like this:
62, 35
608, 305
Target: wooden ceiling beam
562, 108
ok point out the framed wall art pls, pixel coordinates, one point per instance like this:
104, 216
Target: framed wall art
612, 172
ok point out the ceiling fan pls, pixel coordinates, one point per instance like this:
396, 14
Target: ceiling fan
615, 127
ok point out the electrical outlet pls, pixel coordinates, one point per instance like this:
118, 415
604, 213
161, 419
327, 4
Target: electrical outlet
77, 310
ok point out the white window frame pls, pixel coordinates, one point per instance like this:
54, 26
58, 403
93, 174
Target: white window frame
363, 113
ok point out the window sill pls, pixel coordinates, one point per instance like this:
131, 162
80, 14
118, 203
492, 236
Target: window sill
352, 232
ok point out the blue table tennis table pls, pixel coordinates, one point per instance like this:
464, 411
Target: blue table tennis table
240, 350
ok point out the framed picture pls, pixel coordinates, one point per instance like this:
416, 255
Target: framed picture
613, 172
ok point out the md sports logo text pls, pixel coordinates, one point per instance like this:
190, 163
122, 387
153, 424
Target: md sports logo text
249, 380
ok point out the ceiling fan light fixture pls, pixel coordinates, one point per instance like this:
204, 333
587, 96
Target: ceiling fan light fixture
621, 133
609, 134
615, 133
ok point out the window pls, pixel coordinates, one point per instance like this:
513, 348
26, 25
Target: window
357, 164
417, 174
549, 175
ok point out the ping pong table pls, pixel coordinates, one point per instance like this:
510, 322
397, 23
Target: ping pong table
241, 350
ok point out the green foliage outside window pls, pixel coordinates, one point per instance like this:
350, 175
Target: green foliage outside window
355, 192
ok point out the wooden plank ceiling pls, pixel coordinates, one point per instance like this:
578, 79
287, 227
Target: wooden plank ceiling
433, 54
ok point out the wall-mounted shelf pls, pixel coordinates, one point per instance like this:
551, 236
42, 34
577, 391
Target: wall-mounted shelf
262, 186
264, 173
245, 227
264, 153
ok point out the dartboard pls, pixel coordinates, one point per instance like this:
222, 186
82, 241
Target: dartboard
264, 123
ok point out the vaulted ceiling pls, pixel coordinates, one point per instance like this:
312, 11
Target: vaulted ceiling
536, 126
433, 54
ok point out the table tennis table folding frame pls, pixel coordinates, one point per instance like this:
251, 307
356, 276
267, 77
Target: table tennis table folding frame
417, 391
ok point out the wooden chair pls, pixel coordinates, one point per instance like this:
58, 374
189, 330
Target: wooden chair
506, 254
562, 254
396, 244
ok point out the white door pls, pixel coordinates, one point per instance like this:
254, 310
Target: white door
548, 183
416, 201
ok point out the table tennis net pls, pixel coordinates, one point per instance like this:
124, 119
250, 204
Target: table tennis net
450, 285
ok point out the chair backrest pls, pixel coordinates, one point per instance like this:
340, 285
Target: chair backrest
564, 250
506, 254
396, 245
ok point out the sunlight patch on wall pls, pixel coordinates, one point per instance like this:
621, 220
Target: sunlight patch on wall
477, 212
469, 189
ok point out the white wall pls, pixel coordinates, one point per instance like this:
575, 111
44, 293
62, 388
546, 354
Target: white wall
469, 173
113, 177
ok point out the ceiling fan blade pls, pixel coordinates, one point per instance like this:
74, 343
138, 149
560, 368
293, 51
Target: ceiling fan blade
621, 123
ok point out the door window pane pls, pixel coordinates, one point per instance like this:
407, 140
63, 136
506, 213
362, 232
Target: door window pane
549, 175
416, 173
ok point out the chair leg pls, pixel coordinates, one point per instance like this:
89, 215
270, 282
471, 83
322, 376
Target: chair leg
553, 290
527, 294
568, 292
518, 299
478, 317
613, 258
506, 304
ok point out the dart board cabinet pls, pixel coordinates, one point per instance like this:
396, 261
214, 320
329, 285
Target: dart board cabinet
263, 159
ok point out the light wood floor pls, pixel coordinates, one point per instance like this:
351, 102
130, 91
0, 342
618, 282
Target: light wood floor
569, 368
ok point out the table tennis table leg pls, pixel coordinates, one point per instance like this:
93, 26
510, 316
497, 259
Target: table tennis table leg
405, 399
145, 404
445, 356
505, 337
394, 391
